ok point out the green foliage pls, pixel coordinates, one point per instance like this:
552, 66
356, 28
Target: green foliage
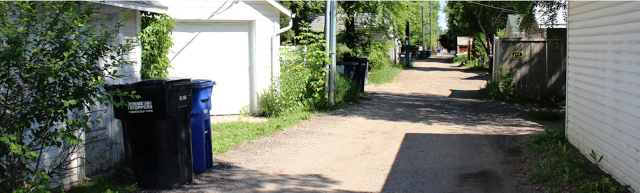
503, 89
232, 134
104, 184
384, 74
547, 115
558, 166
155, 40
460, 58
376, 51
54, 60
346, 90
302, 77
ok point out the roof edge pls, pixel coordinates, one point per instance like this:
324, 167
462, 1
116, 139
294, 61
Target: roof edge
280, 7
136, 6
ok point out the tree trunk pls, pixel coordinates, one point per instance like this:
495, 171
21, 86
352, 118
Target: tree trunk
350, 24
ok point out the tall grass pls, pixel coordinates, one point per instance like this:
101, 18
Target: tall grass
384, 74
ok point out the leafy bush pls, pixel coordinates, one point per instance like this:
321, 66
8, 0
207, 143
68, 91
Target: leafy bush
503, 89
459, 58
155, 40
302, 77
54, 59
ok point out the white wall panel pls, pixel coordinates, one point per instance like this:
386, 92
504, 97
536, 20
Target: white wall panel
603, 84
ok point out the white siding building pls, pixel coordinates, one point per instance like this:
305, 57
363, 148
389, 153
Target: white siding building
234, 43
603, 84
103, 144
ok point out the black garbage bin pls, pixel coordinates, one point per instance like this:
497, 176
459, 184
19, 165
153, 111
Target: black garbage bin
361, 74
346, 68
157, 132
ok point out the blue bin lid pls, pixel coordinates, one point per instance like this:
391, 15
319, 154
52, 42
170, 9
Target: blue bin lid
203, 83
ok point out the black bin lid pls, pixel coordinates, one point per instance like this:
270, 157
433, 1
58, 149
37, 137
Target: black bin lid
346, 63
357, 59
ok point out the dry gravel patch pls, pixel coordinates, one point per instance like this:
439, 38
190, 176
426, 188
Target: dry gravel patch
425, 132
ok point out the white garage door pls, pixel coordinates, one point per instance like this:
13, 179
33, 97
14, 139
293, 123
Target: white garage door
215, 51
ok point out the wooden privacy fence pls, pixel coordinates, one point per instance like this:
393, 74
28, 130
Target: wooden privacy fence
540, 64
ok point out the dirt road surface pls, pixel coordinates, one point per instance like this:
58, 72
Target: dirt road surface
425, 132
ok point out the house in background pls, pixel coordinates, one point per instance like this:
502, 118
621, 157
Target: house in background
464, 45
513, 27
234, 43
603, 84
542, 28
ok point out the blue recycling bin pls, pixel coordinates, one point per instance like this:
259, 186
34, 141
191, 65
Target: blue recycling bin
201, 125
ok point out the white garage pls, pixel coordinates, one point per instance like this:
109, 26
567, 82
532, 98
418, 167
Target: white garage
234, 44
217, 51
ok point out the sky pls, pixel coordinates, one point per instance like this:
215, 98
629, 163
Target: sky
442, 22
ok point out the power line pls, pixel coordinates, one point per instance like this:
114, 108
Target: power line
490, 6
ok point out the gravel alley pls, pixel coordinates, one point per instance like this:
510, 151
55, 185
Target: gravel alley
427, 131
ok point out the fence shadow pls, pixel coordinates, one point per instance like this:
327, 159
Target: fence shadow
423, 165
226, 177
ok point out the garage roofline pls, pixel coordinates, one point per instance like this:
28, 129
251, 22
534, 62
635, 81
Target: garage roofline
280, 7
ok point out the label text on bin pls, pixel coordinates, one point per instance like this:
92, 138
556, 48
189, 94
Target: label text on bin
140, 107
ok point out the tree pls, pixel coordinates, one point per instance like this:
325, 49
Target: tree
155, 40
54, 60
467, 18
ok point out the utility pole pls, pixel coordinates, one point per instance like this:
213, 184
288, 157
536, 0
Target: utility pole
330, 35
327, 31
424, 46
333, 52
430, 30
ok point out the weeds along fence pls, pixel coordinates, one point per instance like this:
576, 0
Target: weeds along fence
540, 65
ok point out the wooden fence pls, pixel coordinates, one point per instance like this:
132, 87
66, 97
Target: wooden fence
540, 64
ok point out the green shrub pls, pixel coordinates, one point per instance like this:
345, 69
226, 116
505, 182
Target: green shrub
459, 58
302, 77
346, 90
155, 40
54, 60
547, 115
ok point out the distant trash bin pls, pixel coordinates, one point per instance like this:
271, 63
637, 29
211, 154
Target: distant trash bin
361, 74
201, 125
346, 68
157, 133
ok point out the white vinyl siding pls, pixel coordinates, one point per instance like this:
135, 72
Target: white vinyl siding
603, 84
104, 142
264, 19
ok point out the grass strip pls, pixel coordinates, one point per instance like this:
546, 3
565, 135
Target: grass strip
102, 185
232, 134
385, 74
557, 166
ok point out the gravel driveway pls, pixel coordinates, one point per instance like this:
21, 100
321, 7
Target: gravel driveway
425, 132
